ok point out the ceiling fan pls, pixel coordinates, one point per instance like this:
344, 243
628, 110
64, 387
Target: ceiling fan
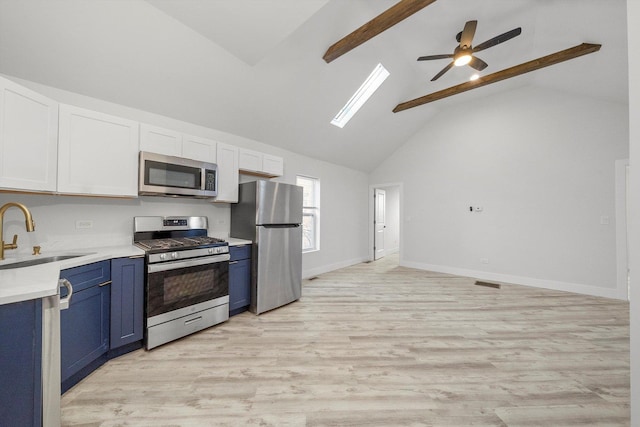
463, 53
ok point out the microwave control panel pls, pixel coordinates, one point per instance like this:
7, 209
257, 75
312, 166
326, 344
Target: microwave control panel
210, 180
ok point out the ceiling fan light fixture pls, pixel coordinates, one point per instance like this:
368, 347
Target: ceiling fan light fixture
462, 59
474, 76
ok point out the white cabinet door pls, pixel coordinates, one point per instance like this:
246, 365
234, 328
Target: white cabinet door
97, 153
159, 140
28, 139
272, 165
227, 173
249, 160
197, 148
256, 163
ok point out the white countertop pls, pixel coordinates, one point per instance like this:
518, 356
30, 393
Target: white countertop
237, 242
38, 281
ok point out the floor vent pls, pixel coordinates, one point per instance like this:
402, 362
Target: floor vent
488, 285
312, 278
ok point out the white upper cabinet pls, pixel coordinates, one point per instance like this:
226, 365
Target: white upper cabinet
197, 148
256, 163
272, 165
227, 173
159, 140
173, 143
28, 139
249, 160
97, 153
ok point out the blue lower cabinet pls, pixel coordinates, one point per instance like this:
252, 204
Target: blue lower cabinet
239, 279
127, 301
84, 326
21, 364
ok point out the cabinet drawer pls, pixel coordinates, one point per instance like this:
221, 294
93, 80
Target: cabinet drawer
239, 252
86, 276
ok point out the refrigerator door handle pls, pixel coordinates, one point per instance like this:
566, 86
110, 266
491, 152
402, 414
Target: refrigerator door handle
279, 225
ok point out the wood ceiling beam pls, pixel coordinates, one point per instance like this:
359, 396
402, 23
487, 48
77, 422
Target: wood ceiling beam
377, 25
545, 61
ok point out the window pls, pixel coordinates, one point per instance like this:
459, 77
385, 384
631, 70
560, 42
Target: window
310, 212
364, 92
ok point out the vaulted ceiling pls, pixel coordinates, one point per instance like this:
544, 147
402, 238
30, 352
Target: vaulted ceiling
254, 68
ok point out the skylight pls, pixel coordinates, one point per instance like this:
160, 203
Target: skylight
370, 85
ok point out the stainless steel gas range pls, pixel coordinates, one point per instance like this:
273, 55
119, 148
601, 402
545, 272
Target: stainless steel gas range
187, 277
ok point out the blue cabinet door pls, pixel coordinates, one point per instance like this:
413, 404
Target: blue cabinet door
21, 364
239, 286
84, 329
84, 326
127, 301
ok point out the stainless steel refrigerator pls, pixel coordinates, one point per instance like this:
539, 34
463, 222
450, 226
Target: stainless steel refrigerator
270, 214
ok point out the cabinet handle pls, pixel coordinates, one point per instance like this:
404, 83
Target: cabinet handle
233, 262
64, 302
108, 282
136, 256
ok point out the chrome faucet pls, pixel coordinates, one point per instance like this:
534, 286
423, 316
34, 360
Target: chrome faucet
27, 219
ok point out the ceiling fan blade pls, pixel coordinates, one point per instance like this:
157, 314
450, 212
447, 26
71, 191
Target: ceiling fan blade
477, 63
429, 57
444, 70
467, 34
498, 39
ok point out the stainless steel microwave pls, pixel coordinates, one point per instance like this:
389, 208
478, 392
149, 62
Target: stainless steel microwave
162, 175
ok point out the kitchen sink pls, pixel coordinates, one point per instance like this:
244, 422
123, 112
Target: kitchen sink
38, 261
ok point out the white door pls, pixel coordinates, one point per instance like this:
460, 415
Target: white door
379, 223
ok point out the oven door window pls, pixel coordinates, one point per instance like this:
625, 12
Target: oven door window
173, 289
170, 175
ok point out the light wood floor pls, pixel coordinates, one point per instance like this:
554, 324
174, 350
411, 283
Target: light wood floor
381, 345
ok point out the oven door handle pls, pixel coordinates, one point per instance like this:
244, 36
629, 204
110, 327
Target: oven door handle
164, 266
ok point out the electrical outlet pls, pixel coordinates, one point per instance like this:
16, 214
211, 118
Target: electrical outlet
84, 224
484, 260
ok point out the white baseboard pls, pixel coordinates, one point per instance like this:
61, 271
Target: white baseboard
312, 272
518, 280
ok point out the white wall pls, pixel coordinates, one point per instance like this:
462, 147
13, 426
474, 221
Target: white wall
56, 216
542, 166
392, 219
343, 199
633, 26
343, 234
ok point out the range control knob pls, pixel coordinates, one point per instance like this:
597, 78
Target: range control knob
163, 256
211, 250
174, 255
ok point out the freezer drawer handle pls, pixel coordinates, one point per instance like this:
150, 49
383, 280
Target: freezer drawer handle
64, 302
